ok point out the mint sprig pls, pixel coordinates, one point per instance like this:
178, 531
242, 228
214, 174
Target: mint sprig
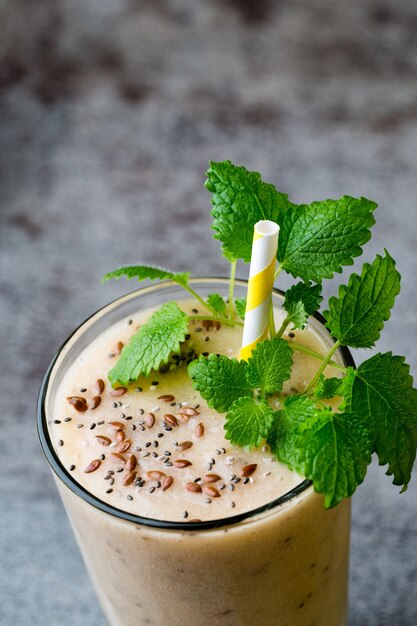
382, 393
240, 199
301, 300
219, 380
152, 345
248, 421
357, 315
377, 404
317, 240
331, 449
150, 272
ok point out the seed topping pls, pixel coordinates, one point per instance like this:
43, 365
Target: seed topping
248, 470
92, 466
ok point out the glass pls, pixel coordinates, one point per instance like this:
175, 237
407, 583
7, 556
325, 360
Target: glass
283, 563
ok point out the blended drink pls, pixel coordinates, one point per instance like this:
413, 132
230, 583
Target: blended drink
154, 449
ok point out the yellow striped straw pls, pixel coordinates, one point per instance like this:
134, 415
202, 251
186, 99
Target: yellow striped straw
261, 282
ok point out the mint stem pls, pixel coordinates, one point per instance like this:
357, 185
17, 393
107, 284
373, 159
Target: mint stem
216, 318
322, 367
283, 327
277, 272
271, 321
232, 288
197, 297
315, 355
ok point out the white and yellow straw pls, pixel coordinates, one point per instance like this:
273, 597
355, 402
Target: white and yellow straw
261, 282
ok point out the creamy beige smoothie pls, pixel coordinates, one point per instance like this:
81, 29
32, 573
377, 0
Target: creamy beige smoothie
156, 450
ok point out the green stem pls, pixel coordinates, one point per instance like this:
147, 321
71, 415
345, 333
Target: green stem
283, 326
232, 288
271, 321
277, 272
216, 318
315, 355
322, 367
199, 298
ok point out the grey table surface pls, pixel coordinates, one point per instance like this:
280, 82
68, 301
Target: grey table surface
110, 111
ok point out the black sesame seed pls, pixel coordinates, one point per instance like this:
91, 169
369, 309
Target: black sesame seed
291, 335
102, 457
155, 382
147, 444
129, 322
172, 403
139, 389
185, 514
198, 329
72, 468
195, 311
167, 428
151, 490
60, 442
57, 421
100, 423
67, 419
141, 411
205, 353
187, 337
93, 425
245, 480
155, 444
115, 405
109, 490
120, 469
159, 435
83, 390
129, 498
129, 417
206, 338
155, 455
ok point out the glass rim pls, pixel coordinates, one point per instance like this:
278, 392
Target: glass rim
80, 491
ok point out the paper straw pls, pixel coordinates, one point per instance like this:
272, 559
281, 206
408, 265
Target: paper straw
261, 282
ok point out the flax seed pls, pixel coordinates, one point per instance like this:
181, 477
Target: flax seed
92, 466
181, 463
248, 470
193, 487
128, 478
149, 420
118, 391
183, 446
78, 403
155, 475
199, 430
166, 482
104, 441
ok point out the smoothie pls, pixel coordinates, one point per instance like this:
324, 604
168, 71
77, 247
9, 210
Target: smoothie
157, 451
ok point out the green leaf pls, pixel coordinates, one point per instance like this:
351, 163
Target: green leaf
248, 422
240, 305
331, 449
142, 272
383, 394
293, 416
270, 365
315, 241
152, 344
217, 303
330, 387
240, 199
219, 380
302, 300
357, 315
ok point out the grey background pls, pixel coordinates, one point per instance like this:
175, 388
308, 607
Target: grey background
110, 111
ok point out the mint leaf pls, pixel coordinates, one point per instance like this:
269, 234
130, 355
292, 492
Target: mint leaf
330, 387
240, 199
217, 303
152, 344
383, 395
331, 449
357, 315
293, 416
302, 300
270, 365
315, 241
219, 380
142, 272
240, 305
248, 422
